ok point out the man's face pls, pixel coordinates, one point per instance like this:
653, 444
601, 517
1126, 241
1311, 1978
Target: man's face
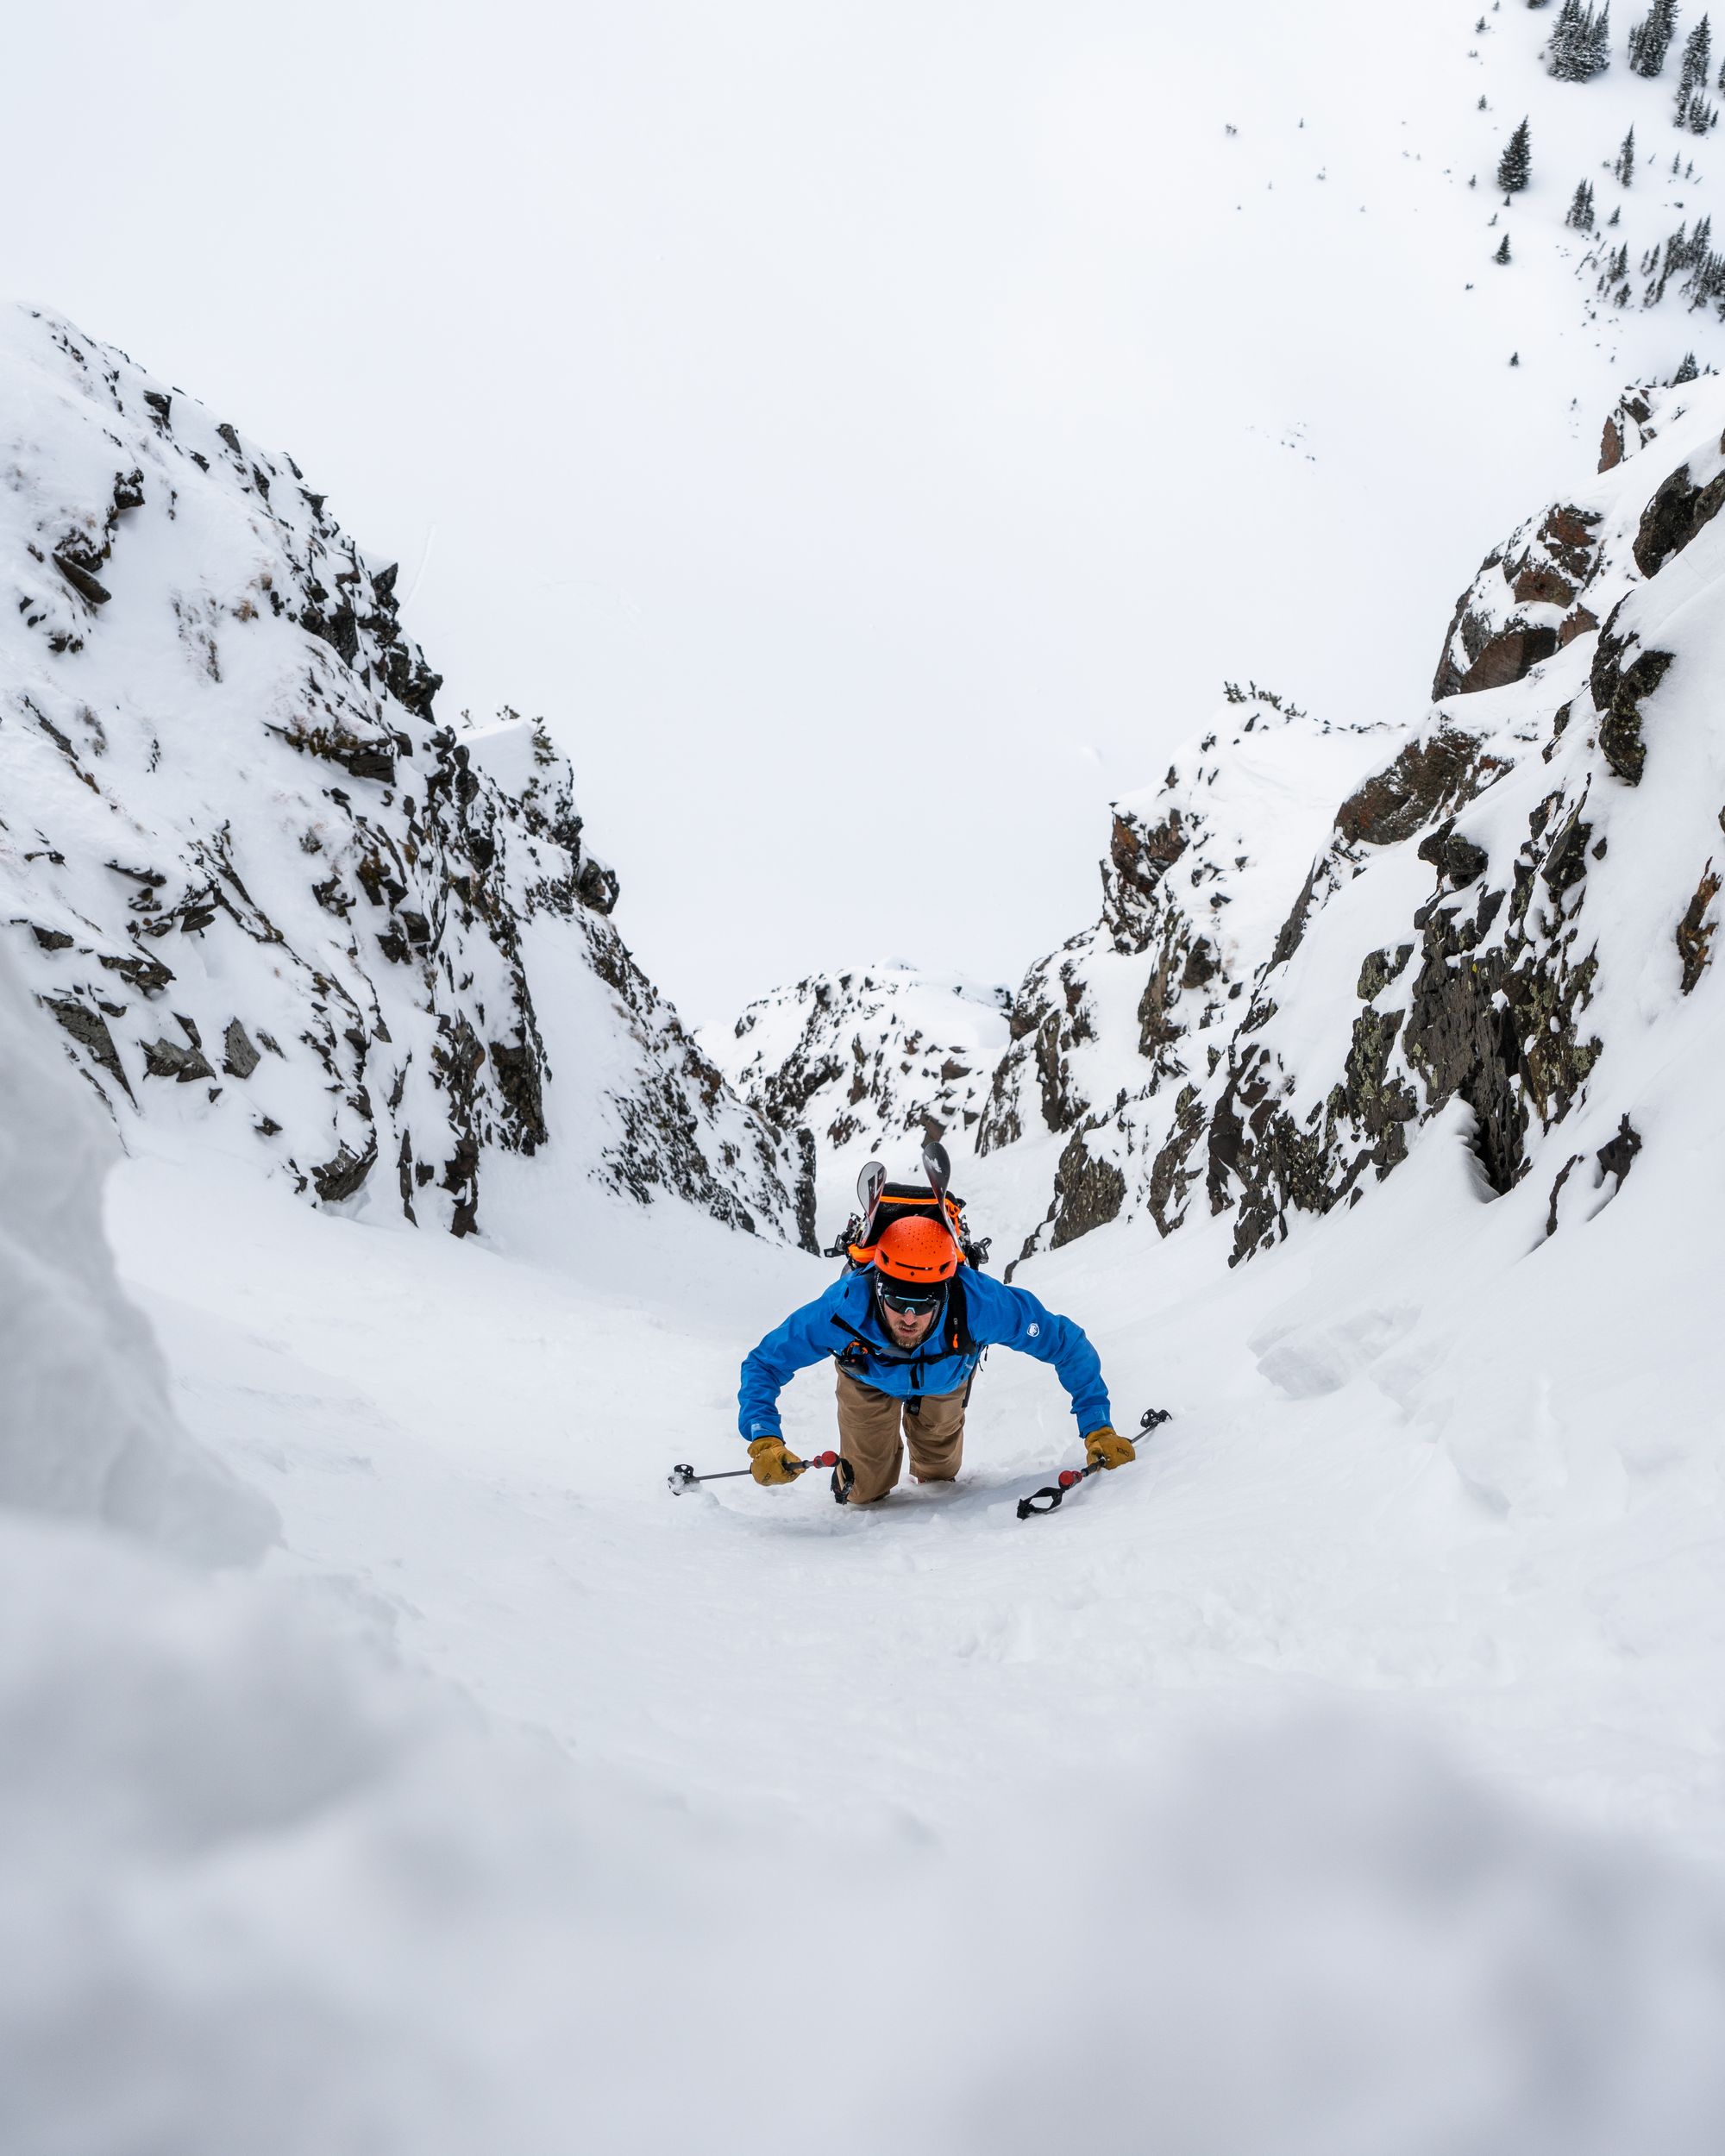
906, 1327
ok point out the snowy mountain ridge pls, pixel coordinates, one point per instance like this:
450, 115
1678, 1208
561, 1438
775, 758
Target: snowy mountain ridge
1497, 913
272, 903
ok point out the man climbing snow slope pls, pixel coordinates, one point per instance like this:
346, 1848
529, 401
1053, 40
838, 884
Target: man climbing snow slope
906, 1324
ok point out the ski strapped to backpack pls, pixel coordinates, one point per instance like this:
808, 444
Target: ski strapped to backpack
1069, 1478
879, 1203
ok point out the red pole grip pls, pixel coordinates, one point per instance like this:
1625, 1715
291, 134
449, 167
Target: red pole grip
1069, 1475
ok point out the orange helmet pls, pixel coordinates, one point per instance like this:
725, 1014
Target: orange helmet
917, 1251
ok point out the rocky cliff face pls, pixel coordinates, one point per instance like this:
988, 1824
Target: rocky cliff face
266, 894
1485, 916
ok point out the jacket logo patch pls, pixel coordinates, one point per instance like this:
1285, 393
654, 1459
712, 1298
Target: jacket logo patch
1034, 1331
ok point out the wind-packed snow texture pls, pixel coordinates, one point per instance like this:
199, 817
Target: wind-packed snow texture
269, 900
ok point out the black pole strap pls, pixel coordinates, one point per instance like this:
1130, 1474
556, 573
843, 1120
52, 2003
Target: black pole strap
1151, 1418
1028, 1505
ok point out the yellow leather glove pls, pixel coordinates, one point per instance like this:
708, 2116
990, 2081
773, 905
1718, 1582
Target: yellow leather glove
768, 1462
1107, 1448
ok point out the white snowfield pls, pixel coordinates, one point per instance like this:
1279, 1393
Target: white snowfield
1343, 1776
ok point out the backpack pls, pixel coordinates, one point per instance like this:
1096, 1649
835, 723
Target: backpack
904, 1201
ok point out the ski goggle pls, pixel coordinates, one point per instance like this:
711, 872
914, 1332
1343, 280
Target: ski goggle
911, 1298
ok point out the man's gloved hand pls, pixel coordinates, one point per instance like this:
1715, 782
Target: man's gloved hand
1107, 1448
768, 1462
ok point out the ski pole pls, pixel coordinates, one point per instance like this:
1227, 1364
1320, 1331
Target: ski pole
1069, 1478
682, 1477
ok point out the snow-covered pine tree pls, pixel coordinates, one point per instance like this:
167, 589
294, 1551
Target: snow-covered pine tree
1597, 44
1503, 254
1694, 111
1561, 52
1697, 62
1581, 209
1581, 42
1650, 39
1516, 165
1625, 167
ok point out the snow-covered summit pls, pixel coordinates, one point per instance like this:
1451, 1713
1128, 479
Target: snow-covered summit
272, 902
869, 1061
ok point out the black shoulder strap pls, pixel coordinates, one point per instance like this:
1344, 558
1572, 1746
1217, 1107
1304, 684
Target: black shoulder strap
958, 1317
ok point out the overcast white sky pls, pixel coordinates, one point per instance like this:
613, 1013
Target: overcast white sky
869, 433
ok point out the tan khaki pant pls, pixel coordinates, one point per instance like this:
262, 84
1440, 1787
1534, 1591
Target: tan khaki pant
869, 1426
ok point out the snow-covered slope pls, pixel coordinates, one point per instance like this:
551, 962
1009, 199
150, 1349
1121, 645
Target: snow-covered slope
273, 903
1613, 224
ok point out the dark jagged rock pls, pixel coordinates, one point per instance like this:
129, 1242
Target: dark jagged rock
1138, 858
81, 578
1503, 625
1674, 515
1621, 680
1694, 930
1617, 1155
1088, 1193
239, 1059
167, 1059
1430, 776
344, 1176
1510, 655
1378, 968
1457, 859
91, 1031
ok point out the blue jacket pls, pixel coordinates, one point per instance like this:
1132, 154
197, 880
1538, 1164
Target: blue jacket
843, 1323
